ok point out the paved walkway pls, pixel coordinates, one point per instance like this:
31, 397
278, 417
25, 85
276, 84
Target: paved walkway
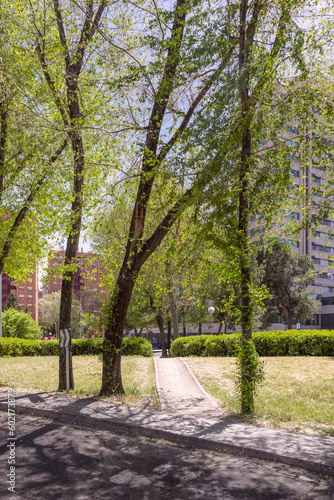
309, 452
179, 392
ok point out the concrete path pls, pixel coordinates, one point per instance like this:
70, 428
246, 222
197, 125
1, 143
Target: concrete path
309, 452
180, 393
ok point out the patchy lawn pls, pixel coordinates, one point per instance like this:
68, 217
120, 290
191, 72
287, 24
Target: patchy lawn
297, 393
40, 374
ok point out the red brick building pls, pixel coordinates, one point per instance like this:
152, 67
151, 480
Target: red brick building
89, 276
26, 292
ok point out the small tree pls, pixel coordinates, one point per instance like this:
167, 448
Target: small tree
11, 302
287, 277
19, 324
49, 308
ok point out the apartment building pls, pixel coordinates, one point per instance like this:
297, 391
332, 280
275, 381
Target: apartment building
26, 292
318, 241
89, 276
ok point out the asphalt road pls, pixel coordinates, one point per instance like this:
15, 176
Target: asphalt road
57, 461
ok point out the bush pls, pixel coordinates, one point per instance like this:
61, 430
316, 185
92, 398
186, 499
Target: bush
22, 347
19, 324
271, 343
137, 346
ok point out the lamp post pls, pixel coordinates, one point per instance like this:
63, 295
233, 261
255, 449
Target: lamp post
211, 310
93, 290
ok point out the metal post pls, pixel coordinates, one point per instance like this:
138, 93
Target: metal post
80, 319
67, 351
0, 305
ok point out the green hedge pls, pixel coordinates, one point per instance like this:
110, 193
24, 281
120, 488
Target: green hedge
20, 347
271, 343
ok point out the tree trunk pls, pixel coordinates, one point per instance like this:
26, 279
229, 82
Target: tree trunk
112, 345
160, 322
71, 253
199, 328
287, 319
169, 334
220, 328
245, 40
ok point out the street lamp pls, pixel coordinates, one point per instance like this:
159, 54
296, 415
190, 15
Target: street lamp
93, 290
211, 310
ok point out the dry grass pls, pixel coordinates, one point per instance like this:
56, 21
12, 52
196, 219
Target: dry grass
297, 394
40, 374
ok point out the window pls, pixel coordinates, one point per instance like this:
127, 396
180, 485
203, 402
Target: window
325, 276
322, 248
29, 296
293, 130
313, 322
29, 287
321, 262
327, 301
316, 179
327, 223
21, 296
320, 234
21, 287
328, 289
294, 172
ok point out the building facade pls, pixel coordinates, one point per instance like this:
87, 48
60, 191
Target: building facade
89, 276
26, 293
318, 240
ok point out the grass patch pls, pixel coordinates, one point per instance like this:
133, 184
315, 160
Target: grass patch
40, 374
297, 393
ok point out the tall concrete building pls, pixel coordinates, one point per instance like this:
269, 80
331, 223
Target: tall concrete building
317, 241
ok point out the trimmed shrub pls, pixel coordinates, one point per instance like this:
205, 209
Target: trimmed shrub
21, 347
136, 346
271, 343
19, 324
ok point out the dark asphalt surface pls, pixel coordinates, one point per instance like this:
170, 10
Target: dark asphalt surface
56, 461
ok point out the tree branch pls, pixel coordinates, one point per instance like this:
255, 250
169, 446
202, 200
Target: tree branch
87, 33
51, 84
61, 31
165, 149
24, 210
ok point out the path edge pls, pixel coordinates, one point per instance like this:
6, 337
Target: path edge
158, 387
201, 388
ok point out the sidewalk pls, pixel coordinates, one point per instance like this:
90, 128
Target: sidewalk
309, 452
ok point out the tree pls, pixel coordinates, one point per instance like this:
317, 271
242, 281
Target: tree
11, 301
287, 276
19, 324
73, 51
259, 35
49, 309
29, 149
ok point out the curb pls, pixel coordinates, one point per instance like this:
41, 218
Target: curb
202, 443
157, 385
201, 388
